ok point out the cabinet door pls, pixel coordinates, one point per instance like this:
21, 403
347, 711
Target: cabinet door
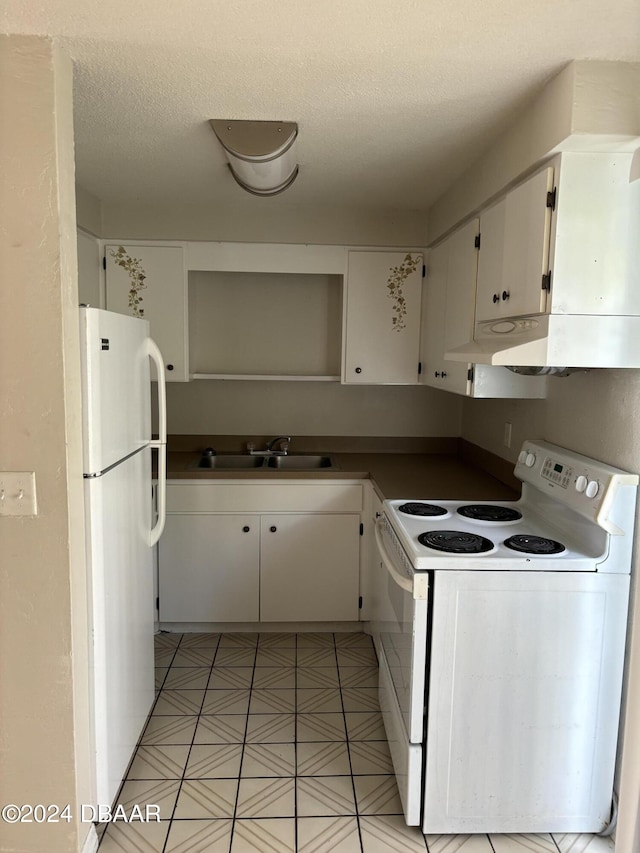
434, 294
309, 567
449, 294
527, 230
514, 251
209, 568
162, 299
489, 283
460, 303
382, 318
88, 270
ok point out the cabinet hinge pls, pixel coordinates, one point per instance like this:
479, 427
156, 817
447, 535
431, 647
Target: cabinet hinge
158, 602
419, 368
361, 529
470, 374
477, 241
546, 282
424, 270
104, 263
360, 603
551, 198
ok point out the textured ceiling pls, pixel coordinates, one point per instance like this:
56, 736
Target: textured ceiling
394, 98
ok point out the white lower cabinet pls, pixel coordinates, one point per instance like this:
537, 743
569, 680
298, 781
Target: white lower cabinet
309, 567
209, 568
260, 565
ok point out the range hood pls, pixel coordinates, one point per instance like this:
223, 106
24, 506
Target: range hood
585, 340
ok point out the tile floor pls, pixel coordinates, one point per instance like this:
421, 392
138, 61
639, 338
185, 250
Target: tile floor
274, 743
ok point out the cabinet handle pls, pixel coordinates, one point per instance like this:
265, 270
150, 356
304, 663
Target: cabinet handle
358, 370
169, 367
273, 528
496, 298
505, 295
246, 529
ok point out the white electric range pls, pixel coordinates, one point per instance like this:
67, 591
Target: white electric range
501, 629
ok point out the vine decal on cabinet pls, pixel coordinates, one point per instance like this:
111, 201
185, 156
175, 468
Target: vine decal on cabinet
394, 284
137, 276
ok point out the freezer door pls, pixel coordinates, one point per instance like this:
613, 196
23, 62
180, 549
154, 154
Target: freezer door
115, 387
120, 565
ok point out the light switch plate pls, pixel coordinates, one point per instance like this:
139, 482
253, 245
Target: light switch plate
18, 493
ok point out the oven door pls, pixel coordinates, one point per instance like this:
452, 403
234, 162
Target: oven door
400, 632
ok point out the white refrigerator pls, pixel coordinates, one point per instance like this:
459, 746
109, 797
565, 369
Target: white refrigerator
121, 530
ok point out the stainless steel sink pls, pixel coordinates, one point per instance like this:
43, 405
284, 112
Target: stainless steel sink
229, 462
301, 463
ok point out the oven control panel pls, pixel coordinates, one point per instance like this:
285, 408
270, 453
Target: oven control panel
591, 488
557, 472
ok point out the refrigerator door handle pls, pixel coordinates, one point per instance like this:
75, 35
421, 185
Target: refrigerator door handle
160, 444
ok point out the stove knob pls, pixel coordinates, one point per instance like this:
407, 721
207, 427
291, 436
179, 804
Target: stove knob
530, 461
593, 487
581, 483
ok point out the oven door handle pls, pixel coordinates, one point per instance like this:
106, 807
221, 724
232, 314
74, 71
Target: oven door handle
402, 580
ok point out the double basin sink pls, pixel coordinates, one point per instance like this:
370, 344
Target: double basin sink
290, 462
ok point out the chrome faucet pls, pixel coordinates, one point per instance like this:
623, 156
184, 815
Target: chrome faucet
285, 441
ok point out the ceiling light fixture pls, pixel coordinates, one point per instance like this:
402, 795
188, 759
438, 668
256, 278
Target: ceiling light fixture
261, 154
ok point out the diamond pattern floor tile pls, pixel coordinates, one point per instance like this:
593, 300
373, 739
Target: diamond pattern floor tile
390, 834
158, 792
367, 725
328, 835
226, 702
248, 731
221, 728
203, 798
323, 759
266, 798
134, 837
272, 701
314, 700
271, 728
376, 795
214, 761
370, 756
319, 727
199, 836
264, 836
269, 759
183, 678
277, 640
236, 677
162, 761
172, 702
523, 844
170, 729
325, 795
194, 656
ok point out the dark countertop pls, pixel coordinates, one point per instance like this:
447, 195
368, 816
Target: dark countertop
417, 476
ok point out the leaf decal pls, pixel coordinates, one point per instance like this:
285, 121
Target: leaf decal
137, 276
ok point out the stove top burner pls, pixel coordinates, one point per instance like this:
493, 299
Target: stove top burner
455, 542
534, 545
422, 509
489, 512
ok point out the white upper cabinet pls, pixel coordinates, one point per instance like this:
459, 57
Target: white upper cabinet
381, 327
514, 251
150, 281
447, 310
89, 290
448, 320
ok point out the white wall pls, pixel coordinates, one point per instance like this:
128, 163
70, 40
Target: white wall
310, 408
44, 741
259, 220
